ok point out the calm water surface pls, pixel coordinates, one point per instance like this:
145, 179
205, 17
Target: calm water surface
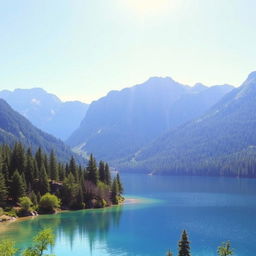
212, 210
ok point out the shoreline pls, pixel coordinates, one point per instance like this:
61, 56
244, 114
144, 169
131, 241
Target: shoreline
10, 220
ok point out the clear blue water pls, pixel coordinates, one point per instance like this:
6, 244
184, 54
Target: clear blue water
212, 210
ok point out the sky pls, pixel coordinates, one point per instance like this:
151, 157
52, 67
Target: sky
82, 49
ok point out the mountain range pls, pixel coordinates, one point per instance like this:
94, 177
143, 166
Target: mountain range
220, 142
123, 122
46, 111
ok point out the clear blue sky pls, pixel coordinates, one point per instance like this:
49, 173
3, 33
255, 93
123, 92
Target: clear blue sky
81, 49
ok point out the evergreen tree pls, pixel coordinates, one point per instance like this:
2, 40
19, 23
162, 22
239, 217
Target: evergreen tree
3, 190
70, 190
38, 197
102, 177
120, 186
73, 168
39, 158
53, 167
107, 175
43, 185
46, 165
30, 169
114, 191
61, 172
33, 198
92, 170
184, 248
17, 186
17, 159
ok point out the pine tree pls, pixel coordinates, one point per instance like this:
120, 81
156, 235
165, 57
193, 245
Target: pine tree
17, 159
114, 191
102, 177
3, 190
17, 186
53, 167
39, 158
92, 170
73, 168
44, 186
120, 186
184, 248
38, 197
30, 169
107, 175
33, 198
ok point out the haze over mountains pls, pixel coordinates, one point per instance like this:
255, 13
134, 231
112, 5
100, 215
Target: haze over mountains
220, 142
125, 121
160, 126
16, 128
46, 111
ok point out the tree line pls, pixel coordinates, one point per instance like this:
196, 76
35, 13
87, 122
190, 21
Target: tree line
43, 182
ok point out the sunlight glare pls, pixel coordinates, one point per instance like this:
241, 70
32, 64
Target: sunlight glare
147, 7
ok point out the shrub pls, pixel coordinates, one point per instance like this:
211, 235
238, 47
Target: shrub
25, 203
48, 203
1, 211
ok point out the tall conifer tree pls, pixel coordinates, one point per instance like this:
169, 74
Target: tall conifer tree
3, 190
92, 170
184, 248
53, 167
17, 186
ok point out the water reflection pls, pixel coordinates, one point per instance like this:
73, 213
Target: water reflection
90, 225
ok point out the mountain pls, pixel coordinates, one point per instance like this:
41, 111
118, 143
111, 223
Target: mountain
220, 142
122, 122
16, 128
46, 111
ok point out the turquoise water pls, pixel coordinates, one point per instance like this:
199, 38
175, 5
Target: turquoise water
212, 210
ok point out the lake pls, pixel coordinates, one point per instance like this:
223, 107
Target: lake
211, 209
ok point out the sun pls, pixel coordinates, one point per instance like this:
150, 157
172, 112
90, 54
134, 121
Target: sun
147, 7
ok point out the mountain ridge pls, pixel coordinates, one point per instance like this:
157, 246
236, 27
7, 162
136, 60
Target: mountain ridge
124, 121
46, 111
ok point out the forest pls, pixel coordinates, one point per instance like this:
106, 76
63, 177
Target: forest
40, 183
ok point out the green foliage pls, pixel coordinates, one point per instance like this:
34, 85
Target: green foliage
33, 198
7, 248
42, 241
43, 185
17, 186
3, 190
69, 190
11, 212
225, 249
115, 192
25, 203
184, 248
49, 203
92, 170
120, 185
1, 211
53, 167
74, 185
